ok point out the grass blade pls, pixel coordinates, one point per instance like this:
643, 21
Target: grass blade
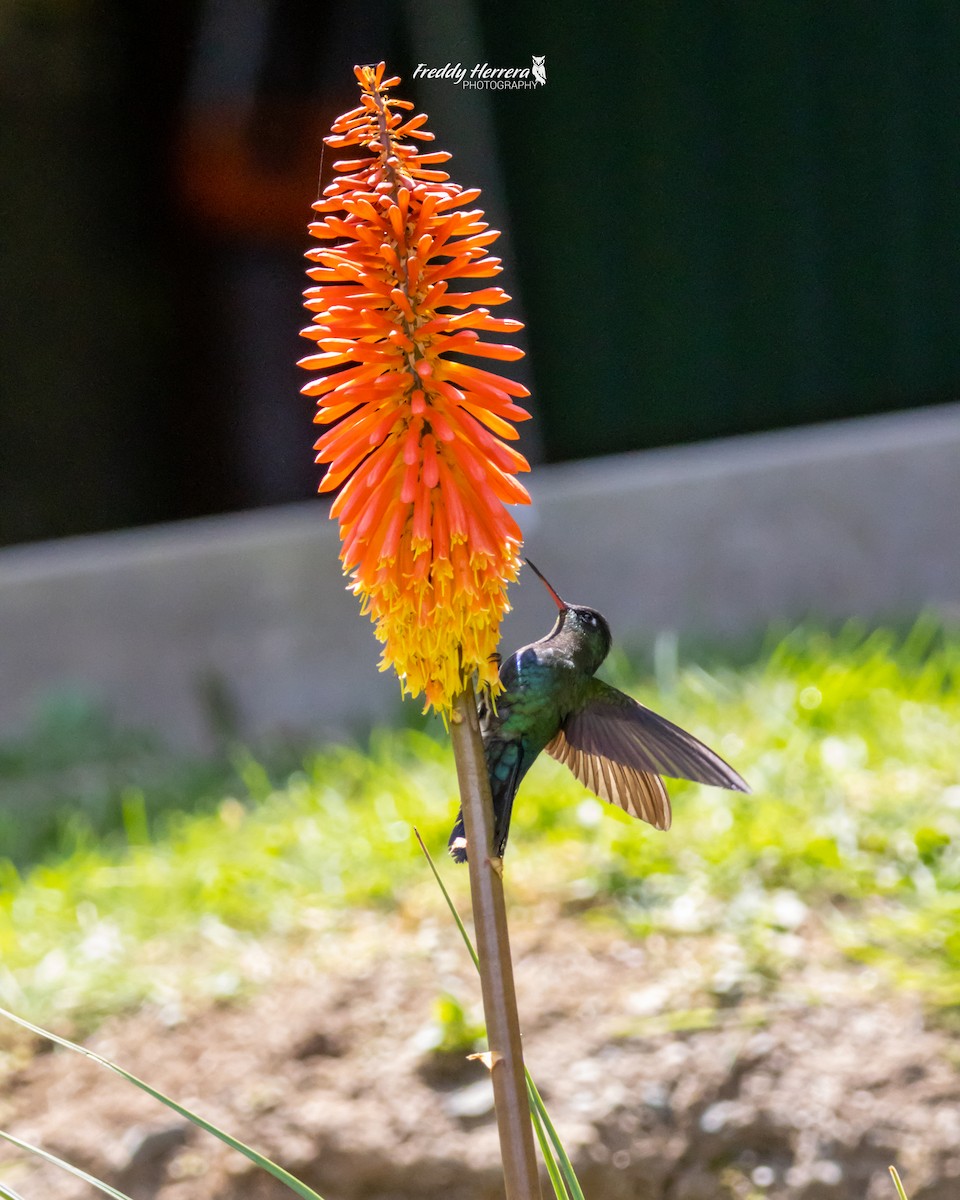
450, 904
556, 1176
902, 1195
566, 1166
254, 1156
543, 1127
58, 1162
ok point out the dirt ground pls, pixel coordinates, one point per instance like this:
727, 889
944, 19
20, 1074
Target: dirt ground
806, 1091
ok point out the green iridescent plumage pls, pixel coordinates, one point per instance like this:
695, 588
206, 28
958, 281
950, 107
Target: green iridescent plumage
616, 747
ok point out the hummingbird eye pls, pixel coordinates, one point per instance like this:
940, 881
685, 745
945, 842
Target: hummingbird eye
589, 619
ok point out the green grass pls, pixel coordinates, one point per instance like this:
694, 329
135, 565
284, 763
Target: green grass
852, 835
78, 776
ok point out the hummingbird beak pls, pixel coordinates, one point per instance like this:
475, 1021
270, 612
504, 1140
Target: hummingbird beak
561, 604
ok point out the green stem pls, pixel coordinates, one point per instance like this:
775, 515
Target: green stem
521, 1178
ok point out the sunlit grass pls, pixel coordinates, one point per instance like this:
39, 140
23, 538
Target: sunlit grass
851, 743
183, 912
73, 775
852, 746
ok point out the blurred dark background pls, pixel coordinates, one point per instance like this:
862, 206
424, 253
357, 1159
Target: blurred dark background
720, 217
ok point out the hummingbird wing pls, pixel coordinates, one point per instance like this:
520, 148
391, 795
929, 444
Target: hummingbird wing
639, 793
617, 748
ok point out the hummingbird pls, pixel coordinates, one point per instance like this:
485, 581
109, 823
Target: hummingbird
617, 748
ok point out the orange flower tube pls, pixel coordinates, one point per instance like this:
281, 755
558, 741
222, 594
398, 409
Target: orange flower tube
418, 437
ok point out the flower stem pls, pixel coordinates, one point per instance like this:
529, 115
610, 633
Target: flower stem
521, 1177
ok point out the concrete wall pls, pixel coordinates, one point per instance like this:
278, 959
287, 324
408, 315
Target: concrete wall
718, 539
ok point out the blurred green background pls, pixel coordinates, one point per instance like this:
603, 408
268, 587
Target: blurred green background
723, 217
151, 878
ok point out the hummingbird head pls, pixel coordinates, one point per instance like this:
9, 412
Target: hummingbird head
585, 631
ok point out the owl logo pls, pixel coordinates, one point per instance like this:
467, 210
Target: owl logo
539, 68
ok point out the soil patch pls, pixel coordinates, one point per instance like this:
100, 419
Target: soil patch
807, 1092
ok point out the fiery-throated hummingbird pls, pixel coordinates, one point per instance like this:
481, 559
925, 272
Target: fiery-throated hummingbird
617, 748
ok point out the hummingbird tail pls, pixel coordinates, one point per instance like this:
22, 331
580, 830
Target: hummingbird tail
457, 845
504, 762
502, 812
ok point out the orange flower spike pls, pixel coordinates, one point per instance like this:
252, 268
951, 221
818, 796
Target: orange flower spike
414, 435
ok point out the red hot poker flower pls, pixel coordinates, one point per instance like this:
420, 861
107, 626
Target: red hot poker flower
416, 434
